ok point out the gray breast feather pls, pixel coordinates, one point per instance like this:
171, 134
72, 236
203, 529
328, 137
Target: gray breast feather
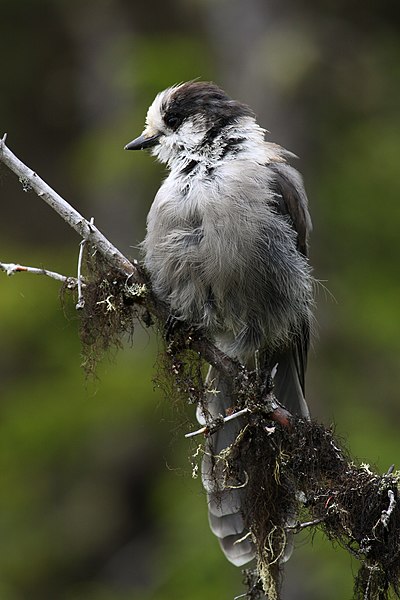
226, 241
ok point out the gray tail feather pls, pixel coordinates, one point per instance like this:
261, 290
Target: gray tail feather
224, 502
226, 499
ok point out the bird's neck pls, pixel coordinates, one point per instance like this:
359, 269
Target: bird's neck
243, 140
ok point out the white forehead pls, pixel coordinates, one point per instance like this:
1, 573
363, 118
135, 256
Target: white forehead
154, 117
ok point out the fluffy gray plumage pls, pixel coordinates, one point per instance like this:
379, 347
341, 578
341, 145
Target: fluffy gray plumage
226, 248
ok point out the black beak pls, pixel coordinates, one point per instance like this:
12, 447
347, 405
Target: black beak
142, 142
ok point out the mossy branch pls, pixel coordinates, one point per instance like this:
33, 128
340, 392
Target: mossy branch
291, 466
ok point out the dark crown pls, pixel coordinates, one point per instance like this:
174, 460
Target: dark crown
207, 99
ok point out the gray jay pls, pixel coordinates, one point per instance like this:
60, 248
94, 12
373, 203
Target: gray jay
226, 248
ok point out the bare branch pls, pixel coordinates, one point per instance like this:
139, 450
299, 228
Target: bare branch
299, 526
12, 268
30, 180
81, 301
206, 428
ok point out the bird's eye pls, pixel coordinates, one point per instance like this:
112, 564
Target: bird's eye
172, 121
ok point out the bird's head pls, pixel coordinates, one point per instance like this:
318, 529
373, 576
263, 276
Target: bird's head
196, 121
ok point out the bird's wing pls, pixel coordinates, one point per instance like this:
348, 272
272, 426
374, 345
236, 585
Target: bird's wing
291, 201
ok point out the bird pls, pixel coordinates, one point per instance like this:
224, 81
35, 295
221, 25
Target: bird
226, 249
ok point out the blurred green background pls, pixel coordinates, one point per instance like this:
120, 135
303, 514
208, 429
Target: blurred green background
97, 500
